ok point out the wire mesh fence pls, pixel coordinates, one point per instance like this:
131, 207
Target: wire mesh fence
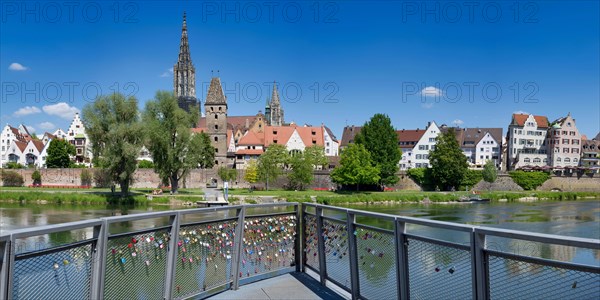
438, 272
311, 249
511, 279
376, 264
56, 273
136, 265
268, 244
204, 256
337, 261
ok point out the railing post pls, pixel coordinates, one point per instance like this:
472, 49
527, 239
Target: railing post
401, 259
321, 245
350, 228
4, 257
172, 256
12, 252
238, 242
298, 256
99, 260
479, 266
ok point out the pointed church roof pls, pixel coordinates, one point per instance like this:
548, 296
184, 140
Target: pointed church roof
275, 95
184, 47
215, 92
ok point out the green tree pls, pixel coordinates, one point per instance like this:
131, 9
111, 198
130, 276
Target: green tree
175, 149
490, 173
271, 163
116, 135
227, 174
315, 155
207, 151
251, 174
356, 167
301, 174
36, 176
529, 180
59, 154
448, 163
86, 177
381, 140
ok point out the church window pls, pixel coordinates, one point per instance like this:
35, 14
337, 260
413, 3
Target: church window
216, 117
216, 150
212, 109
216, 126
216, 139
219, 108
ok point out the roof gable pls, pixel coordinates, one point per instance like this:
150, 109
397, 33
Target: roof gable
520, 119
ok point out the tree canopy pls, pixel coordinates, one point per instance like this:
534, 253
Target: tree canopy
379, 137
116, 134
490, 173
448, 163
271, 163
251, 174
356, 167
175, 149
59, 154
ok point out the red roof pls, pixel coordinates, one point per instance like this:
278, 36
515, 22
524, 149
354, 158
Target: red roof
20, 145
519, 119
252, 138
249, 152
411, 135
39, 145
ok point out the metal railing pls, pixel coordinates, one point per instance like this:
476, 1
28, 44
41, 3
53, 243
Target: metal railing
196, 253
412, 258
180, 254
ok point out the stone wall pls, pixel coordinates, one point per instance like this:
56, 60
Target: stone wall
146, 178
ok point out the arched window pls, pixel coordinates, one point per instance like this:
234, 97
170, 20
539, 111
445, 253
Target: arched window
216, 117
537, 160
216, 139
527, 160
575, 159
216, 126
558, 159
567, 159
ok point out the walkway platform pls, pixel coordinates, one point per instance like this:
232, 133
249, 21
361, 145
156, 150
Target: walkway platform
288, 286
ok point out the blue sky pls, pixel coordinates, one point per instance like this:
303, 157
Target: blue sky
451, 62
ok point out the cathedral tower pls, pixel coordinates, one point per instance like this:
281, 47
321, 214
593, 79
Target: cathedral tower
275, 114
184, 73
215, 108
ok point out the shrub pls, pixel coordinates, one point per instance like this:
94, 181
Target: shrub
422, 176
145, 164
36, 176
12, 178
529, 180
472, 177
14, 165
102, 178
86, 177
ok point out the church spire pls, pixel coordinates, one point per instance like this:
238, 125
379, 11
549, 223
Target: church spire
184, 46
184, 73
275, 96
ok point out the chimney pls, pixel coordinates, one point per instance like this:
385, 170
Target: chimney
247, 123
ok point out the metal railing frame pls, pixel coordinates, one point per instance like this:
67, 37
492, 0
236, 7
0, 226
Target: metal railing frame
477, 245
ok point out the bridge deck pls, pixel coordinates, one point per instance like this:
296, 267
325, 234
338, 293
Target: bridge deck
288, 286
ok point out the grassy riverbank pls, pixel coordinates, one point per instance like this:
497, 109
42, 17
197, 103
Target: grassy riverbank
138, 196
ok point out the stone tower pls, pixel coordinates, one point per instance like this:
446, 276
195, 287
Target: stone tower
275, 111
215, 108
184, 74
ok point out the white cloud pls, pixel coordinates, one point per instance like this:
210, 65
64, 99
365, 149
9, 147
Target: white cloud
427, 105
61, 109
520, 112
431, 91
17, 67
46, 125
27, 110
458, 122
167, 73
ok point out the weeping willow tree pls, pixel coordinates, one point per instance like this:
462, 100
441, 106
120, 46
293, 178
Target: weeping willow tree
174, 147
112, 123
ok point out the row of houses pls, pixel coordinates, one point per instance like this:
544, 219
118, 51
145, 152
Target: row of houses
18, 145
531, 142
